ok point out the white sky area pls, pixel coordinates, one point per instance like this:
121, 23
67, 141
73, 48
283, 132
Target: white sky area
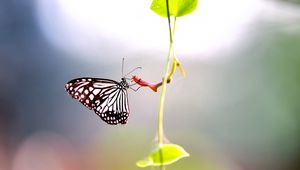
86, 27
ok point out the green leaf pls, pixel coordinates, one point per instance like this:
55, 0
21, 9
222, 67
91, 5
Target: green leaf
177, 8
163, 155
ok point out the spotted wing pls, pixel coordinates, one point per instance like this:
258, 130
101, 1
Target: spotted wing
107, 98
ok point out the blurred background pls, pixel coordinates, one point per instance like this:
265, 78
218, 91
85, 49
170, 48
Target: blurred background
237, 109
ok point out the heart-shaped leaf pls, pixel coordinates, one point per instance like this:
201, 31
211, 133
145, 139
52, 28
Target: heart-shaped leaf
163, 155
177, 8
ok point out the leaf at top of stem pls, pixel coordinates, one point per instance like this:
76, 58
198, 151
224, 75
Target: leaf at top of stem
177, 8
163, 155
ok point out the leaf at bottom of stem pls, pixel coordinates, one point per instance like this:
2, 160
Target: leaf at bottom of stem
163, 155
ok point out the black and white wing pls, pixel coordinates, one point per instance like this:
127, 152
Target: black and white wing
107, 98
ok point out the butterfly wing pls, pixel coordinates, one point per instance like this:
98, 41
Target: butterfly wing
107, 98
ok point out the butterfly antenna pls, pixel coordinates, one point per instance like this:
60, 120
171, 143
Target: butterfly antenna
123, 67
133, 70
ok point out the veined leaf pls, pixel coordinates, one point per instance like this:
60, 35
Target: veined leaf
163, 155
177, 8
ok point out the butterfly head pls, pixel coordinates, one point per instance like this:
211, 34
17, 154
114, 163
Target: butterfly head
124, 83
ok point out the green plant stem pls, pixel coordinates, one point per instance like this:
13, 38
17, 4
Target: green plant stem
162, 98
164, 86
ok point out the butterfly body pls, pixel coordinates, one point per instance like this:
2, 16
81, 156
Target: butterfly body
107, 98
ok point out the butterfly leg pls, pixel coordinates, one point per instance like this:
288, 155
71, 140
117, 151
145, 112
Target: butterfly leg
135, 89
130, 81
132, 84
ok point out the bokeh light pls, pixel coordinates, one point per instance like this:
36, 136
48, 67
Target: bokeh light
83, 25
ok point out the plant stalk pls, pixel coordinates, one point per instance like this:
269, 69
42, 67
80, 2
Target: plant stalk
164, 86
162, 98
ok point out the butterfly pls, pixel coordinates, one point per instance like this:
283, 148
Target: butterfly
108, 98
